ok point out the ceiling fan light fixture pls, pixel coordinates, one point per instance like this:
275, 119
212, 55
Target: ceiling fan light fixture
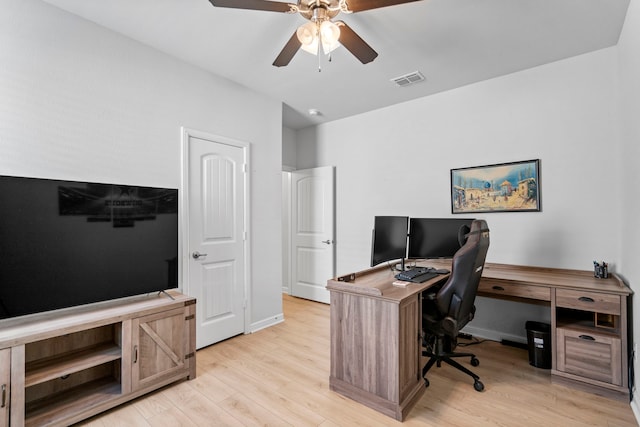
312, 32
329, 34
307, 33
308, 37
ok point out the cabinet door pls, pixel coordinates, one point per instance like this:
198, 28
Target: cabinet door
5, 376
158, 347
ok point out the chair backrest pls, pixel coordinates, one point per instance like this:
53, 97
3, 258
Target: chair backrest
457, 296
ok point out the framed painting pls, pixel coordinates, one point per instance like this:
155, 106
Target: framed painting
504, 187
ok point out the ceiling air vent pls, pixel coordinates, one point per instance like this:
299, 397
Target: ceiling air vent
408, 79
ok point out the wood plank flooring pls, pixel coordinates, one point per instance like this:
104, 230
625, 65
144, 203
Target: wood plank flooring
280, 377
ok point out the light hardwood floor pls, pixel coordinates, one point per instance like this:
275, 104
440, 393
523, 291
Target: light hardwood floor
280, 377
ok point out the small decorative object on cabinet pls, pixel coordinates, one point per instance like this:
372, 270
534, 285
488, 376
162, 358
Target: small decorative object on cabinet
58, 368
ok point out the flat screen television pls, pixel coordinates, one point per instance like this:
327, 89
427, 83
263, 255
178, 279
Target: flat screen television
389, 239
67, 243
436, 237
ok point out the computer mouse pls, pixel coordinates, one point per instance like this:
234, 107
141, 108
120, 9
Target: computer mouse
442, 271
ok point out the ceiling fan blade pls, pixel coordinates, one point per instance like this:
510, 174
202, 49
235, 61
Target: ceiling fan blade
288, 52
360, 5
354, 44
269, 6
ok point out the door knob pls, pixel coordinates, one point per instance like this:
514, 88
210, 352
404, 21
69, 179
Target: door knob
197, 255
328, 242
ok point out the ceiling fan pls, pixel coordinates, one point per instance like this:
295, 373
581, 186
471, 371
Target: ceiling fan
320, 33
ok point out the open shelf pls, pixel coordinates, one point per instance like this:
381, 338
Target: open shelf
54, 410
588, 321
45, 370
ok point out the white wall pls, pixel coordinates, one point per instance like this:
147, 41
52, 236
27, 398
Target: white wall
629, 91
80, 102
289, 164
289, 149
286, 232
397, 160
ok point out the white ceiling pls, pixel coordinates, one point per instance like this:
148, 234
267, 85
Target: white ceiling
452, 42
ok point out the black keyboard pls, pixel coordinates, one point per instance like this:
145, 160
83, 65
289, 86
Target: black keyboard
417, 275
410, 274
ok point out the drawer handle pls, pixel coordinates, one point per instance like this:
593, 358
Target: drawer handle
135, 354
497, 288
586, 299
4, 396
587, 337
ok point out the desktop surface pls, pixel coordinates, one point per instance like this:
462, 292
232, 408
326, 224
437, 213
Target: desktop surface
378, 282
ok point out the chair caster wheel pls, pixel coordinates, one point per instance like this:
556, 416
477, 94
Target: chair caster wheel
475, 361
426, 383
478, 385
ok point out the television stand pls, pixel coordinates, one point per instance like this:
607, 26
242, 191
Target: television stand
60, 367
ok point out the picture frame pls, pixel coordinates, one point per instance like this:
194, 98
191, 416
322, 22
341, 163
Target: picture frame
502, 187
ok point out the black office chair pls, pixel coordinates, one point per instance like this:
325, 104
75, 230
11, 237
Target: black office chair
448, 310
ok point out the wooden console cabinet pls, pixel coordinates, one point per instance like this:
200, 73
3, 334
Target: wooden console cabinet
60, 367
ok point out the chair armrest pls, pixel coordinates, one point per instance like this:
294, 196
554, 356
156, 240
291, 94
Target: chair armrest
431, 296
450, 325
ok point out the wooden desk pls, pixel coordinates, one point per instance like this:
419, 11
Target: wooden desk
589, 321
375, 329
375, 341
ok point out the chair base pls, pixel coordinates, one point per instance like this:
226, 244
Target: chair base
440, 354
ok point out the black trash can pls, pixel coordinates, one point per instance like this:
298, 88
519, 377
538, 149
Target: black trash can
539, 343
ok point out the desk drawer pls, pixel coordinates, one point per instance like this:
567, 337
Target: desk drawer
589, 301
589, 355
494, 287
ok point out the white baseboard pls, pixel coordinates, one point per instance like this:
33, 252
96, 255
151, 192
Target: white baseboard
636, 409
271, 321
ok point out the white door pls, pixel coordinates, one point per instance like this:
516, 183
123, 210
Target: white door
216, 266
312, 232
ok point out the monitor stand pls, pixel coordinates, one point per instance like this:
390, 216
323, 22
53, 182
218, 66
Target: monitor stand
401, 266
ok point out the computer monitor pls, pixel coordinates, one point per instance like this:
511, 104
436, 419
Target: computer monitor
436, 237
389, 239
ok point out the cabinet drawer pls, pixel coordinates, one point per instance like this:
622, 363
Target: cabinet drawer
589, 301
494, 287
589, 355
